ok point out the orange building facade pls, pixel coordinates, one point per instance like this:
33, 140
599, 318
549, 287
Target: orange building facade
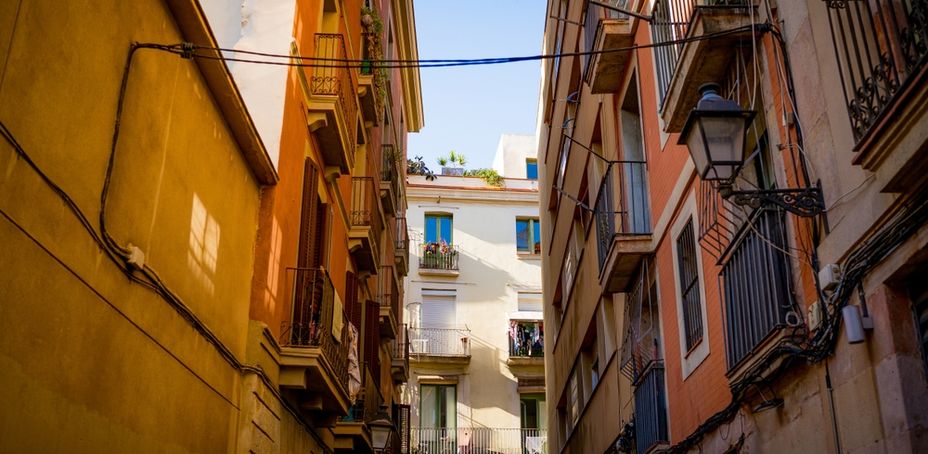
332, 250
680, 319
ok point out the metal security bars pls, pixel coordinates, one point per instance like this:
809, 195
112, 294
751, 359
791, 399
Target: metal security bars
473, 440
757, 285
650, 409
627, 214
439, 341
689, 285
879, 46
313, 321
641, 342
671, 21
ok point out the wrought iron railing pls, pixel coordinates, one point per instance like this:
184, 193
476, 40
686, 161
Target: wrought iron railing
362, 201
402, 238
526, 339
438, 256
641, 340
332, 78
627, 214
671, 21
468, 440
439, 341
387, 291
650, 409
402, 420
314, 323
400, 346
594, 14
879, 45
756, 284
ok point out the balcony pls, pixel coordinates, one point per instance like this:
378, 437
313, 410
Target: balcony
526, 348
682, 68
365, 224
467, 440
402, 246
314, 360
881, 54
332, 104
607, 30
440, 345
623, 224
650, 410
351, 431
390, 184
756, 281
389, 299
438, 259
399, 367
371, 89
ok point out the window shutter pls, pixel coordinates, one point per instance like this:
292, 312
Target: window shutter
351, 300
438, 309
307, 216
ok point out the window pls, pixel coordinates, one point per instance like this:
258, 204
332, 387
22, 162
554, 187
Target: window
530, 302
438, 406
689, 286
526, 339
438, 228
528, 236
531, 169
438, 417
573, 400
919, 294
533, 413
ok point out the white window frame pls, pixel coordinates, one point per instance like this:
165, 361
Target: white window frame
692, 359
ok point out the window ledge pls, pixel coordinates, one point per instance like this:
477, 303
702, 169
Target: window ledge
527, 256
435, 272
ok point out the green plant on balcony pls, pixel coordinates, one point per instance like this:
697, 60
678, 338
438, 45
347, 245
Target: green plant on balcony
373, 30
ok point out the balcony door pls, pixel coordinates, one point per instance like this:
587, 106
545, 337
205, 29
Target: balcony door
437, 320
533, 419
438, 418
634, 172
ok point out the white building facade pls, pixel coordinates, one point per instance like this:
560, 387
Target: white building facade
474, 309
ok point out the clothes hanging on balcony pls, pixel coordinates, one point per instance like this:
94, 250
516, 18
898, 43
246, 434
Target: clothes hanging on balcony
526, 338
354, 367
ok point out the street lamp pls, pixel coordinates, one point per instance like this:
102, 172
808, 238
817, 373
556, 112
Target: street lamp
381, 429
714, 132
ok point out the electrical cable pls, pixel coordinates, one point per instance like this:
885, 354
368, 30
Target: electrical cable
436, 63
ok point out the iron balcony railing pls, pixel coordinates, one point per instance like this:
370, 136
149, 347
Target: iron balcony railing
438, 256
402, 238
313, 322
526, 339
880, 45
439, 341
650, 409
400, 346
757, 285
336, 79
401, 419
363, 201
594, 14
625, 214
671, 21
387, 291
473, 440
368, 400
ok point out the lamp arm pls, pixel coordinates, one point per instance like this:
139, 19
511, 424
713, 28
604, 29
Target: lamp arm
805, 202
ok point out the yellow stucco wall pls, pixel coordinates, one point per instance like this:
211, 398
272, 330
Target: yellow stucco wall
90, 362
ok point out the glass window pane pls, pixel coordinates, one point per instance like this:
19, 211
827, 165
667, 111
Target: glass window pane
431, 228
428, 399
536, 238
522, 235
531, 169
445, 222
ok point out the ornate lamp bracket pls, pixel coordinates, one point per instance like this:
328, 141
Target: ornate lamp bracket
805, 202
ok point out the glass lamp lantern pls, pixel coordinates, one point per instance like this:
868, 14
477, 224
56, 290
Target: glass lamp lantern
714, 132
381, 429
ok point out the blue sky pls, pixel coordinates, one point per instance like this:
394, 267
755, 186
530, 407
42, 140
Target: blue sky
467, 108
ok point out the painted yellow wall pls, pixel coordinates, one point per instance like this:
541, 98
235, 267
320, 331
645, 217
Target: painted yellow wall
90, 362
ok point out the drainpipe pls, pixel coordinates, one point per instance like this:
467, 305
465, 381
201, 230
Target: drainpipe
831, 404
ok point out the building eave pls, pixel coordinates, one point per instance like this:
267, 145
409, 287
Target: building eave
405, 19
191, 19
